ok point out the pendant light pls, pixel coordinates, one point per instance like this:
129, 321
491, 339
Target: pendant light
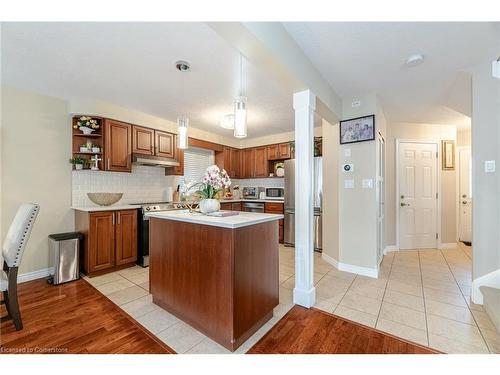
240, 109
182, 120
182, 132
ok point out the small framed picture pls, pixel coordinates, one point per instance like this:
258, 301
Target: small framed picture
448, 151
358, 129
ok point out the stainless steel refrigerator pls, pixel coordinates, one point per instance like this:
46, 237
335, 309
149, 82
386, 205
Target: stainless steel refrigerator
290, 202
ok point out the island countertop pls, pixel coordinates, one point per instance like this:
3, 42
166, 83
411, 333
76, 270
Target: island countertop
243, 219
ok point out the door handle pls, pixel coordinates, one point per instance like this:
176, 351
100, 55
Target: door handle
404, 204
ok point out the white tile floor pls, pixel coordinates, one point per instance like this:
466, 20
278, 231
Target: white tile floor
422, 296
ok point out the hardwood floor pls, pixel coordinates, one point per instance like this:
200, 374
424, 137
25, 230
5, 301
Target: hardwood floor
310, 331
73, 318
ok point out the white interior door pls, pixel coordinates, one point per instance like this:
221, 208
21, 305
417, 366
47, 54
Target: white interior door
465, 195
417, 167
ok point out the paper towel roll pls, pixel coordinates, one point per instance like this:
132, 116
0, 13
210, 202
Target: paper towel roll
169, 194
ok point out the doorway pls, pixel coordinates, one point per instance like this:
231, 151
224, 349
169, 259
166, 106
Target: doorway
465, 195
417, 194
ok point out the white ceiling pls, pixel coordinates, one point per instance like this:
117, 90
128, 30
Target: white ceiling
132, 65
368, 57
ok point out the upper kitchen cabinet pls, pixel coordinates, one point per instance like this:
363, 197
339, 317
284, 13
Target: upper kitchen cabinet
118, 146
229, 160
279, 151
143, 140
236, 163
179, 156
164, 144
261, 165
247, 163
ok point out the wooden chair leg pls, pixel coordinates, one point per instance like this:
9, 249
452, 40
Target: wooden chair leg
13, 308
6, 301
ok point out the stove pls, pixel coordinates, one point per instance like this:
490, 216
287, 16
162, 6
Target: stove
143, 227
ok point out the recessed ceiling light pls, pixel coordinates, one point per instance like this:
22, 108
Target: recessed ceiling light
414, 60
182, 66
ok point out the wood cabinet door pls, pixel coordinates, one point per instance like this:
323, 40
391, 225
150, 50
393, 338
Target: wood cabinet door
143, 140
179, 156
248, 163
284, 151
225, 206
273, 152
126, 237
164, 144
118, 146
236, 206
101, 237
228, 161
235, 160
261, 166
273, 208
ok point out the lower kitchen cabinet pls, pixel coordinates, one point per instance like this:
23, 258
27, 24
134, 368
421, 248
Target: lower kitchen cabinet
110, 240
276, 208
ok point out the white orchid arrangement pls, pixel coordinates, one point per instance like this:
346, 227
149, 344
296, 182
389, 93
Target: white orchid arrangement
214, 181
86, 122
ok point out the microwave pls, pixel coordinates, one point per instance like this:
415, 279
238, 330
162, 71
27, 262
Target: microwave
276, 193
250, 192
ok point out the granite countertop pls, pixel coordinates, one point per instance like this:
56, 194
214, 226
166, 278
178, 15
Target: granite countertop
243, 219
106, 208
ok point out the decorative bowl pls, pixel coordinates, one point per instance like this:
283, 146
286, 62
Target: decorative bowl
105, 199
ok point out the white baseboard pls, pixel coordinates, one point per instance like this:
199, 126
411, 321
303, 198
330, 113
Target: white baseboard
451, 245
491, 279
365, 271
328, 259
306, 298
390, 248
28, 276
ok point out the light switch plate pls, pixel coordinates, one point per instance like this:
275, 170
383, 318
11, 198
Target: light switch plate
347, 152
348, 184
367, 183
489, 166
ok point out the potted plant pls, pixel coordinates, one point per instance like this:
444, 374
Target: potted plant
214, 181
78, 162
84, 148
86, 124
96, 148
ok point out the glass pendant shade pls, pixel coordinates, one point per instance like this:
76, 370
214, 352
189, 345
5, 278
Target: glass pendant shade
240, 117
182, 132
227, 122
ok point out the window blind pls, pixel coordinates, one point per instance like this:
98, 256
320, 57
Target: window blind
196, 162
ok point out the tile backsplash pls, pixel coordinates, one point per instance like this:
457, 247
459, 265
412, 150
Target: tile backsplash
144, 184
259, 182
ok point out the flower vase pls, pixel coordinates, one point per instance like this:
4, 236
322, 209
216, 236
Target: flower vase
85, 130
208, 206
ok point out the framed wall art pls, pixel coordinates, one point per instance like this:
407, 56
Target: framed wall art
358, 129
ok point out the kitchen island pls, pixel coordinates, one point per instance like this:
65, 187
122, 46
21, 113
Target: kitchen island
217, 274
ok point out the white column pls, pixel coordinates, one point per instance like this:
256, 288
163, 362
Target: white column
304, 104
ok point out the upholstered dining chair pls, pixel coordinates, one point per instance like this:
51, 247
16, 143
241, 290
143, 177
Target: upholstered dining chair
12, 252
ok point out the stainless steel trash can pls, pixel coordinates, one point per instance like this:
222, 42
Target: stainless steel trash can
65, 248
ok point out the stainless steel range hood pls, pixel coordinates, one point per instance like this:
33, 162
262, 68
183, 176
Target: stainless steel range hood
154, 161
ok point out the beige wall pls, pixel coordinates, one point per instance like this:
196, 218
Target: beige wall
485, 186
464, 138
430, 132
36, 146
358, 206
330, 190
